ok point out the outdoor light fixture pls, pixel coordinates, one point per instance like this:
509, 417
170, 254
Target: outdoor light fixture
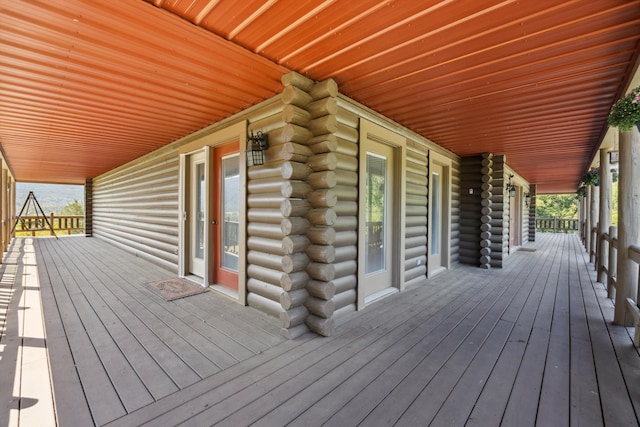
256, 144
527, 199
510, 187
614, 157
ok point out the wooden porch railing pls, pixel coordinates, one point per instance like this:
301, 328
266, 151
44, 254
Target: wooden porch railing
32, 225
632, 306
609, 267
557, 225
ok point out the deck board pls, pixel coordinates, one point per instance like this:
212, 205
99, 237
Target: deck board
553, 407
529, 344
491, 403
513, 327
148, 348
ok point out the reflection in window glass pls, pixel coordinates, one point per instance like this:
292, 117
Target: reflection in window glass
435, 213
198, 250
375, 205
230, 208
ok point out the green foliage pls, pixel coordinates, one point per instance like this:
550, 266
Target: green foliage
625, 113
556, 206
73, 208
592, 177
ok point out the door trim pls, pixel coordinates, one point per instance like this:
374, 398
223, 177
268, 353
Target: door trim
446, 164
236, 132
371, 132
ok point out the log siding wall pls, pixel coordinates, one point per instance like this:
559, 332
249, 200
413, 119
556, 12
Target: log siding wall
302, 206
135, 207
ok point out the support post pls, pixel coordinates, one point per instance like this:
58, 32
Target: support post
628, 224
587, 219
605, 214
594, 218
3, 204
580, 216
613, 263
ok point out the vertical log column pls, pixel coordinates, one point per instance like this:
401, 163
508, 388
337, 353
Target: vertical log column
277, 207
333, 209
471, 184
605, 214
580, 218
4, 196
486, 210
88, 207
587, 218
628, 223
594, 215
499, 226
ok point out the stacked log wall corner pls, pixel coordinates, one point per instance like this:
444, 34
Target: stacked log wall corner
472, 189
88, 207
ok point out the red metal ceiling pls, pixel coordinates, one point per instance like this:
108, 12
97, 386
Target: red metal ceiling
88, 85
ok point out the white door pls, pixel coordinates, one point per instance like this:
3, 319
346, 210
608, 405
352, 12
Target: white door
379, 220
196, 214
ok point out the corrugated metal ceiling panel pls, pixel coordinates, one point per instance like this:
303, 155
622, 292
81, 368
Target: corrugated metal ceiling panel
531, 79
97, 84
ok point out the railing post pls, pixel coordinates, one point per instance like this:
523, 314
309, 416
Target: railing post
595, 205
612, 267
628, 224
606, 191
587, 219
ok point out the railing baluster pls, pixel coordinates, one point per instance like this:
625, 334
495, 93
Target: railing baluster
31, 224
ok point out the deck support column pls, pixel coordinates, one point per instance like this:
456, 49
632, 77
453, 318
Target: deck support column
580, 217
594, 219
5, 214
88, 207
605, 215
587, 219
628, 224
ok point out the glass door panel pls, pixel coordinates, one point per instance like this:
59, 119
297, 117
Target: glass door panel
230, 212
376, 206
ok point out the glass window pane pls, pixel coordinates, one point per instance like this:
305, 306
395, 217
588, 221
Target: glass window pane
230, 212
198, 250
375, 205
435, 213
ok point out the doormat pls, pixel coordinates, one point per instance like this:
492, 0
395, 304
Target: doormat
175, 288
527, 249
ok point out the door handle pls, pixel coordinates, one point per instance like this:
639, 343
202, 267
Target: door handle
214, 222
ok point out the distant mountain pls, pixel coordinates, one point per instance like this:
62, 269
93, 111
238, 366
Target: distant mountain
52, 197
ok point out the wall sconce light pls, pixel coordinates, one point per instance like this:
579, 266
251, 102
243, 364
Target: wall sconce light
510, 187
256, 144
527, 199
614, 157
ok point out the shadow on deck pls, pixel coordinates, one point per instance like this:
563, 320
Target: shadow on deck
532, 343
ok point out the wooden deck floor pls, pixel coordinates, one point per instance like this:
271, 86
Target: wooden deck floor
530, 344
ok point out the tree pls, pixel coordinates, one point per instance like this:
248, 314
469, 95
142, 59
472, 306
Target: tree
73, 208
556, 206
